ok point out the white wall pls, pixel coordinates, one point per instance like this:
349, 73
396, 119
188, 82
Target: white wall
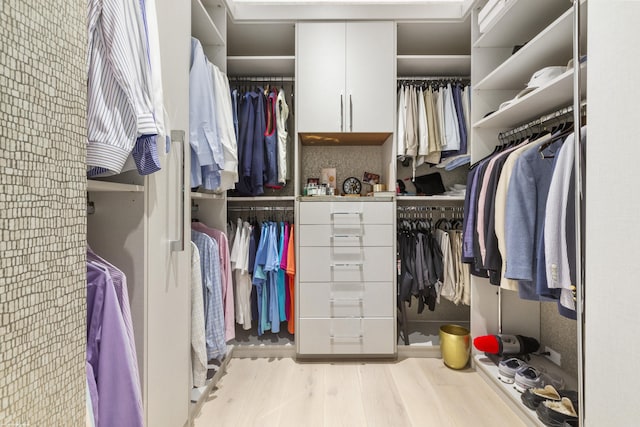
612, 224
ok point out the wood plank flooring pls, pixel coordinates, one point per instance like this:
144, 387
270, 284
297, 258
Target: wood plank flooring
409, 392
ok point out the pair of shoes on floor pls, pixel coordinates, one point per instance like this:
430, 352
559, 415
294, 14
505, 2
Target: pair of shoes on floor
557, 413
507, 369
514, 370
533, 397
531, 377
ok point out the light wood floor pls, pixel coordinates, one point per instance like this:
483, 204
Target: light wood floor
410, 392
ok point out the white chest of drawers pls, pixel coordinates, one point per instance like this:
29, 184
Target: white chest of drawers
346, 296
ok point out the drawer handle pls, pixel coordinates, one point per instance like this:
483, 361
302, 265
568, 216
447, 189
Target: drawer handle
354, 301
346, 213
346, 337
346, 236
347, 265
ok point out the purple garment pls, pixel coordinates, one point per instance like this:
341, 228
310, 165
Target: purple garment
93, 392
120, 284
109, 354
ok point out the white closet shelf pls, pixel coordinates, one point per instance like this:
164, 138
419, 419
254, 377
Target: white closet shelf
430, 198
262, 199
105, 186
558, 93
268, 66
516, 26
434, 65
210, 196
202, 26
489, 371
552, 46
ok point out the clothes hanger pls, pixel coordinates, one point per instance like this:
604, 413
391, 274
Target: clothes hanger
564, 130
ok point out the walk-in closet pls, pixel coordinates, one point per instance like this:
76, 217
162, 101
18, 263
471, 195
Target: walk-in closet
363, 213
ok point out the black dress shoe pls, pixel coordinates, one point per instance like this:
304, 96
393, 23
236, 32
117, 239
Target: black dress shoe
555, 414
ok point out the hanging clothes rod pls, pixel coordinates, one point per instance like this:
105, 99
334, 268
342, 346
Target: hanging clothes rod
260, 208
558, 114
434, 78
427, 208
261, 79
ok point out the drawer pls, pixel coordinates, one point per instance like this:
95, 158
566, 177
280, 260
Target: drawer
346, 336
346, 235
346, 264
339, 212
346, 299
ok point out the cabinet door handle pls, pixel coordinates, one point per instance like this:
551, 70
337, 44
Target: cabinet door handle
346, 301
346, 337
178, 245
347, 213
341, 114
350, 114
347, 265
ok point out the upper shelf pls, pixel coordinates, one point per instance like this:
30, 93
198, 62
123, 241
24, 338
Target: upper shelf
552, 46
268, 66
517, 26
436, 198
558, 93
202, 26
105, 186
261, 199
434, 65
354, 138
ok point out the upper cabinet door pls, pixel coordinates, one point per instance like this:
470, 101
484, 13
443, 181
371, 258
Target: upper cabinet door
320, 75
370, 76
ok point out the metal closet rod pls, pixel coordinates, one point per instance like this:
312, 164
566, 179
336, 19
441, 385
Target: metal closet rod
262, 79
433, 78
260, 208
428, 208
565, 111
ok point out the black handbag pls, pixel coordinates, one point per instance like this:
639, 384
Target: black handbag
429, 185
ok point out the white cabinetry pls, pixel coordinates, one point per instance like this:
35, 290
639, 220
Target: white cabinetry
345, 76
346, 296
498, 75
133, 228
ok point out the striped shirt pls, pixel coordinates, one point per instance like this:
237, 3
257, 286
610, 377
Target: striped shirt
120, 107
212, 292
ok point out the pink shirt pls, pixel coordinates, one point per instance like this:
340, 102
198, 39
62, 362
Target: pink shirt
225, 273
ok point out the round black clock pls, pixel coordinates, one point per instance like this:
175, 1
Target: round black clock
351, 185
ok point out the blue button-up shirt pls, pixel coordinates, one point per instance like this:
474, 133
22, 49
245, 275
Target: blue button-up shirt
207, 157
212, 292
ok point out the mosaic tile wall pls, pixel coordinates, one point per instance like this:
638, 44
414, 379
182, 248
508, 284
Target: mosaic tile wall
348, 161
560, 334
42, 213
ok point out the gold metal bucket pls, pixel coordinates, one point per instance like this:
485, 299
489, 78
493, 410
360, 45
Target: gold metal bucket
455, 345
